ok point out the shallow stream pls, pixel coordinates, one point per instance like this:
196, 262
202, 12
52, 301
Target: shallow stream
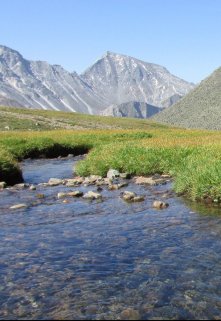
106, 260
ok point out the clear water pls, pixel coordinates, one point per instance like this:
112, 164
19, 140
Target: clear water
107, 260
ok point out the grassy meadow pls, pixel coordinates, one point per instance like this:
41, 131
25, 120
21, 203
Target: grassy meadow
140, 147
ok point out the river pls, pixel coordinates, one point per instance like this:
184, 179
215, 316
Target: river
106, 260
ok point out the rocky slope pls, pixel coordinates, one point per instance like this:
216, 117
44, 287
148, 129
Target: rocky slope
132, 109
201, 108
119, 79
37, 84
114, 79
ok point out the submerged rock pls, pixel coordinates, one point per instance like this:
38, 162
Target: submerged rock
160, 205
18, 206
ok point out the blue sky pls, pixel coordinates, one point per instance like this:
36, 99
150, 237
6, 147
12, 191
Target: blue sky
182, 35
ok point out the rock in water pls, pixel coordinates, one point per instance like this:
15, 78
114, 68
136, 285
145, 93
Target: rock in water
160, 205
92, 196
18, 206
55, 182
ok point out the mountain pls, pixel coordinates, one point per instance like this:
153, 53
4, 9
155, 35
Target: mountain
120, 79
201, 108
37, 84
113, 80
132, 109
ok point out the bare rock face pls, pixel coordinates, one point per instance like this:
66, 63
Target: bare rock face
121, 79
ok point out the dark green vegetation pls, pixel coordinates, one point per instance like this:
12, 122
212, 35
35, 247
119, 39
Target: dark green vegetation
140, 147
201, 108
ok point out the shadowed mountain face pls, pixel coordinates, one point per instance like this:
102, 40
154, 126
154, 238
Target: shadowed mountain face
114, 79
132, 109
201, 108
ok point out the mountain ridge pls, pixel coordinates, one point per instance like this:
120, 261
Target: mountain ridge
117, 79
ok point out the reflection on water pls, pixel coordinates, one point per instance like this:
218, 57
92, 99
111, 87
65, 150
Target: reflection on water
107, 260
